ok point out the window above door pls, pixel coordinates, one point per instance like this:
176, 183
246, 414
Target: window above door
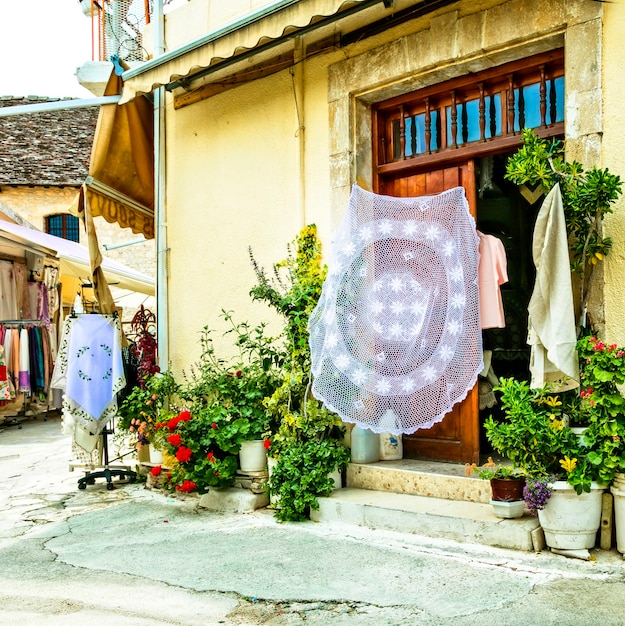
473, 115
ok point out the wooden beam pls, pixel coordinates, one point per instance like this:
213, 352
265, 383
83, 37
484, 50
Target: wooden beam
261, 70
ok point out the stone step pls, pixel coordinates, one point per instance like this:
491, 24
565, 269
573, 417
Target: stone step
421, 478
464, 522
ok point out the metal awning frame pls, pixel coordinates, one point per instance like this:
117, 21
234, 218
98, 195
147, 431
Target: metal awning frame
238, 25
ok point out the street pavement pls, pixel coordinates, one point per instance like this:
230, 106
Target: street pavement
140, 557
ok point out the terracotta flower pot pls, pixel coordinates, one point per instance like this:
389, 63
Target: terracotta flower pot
507, 489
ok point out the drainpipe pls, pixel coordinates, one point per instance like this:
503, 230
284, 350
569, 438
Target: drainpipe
298, 93
162, 303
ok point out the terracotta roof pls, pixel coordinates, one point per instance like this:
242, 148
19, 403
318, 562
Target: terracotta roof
45, 149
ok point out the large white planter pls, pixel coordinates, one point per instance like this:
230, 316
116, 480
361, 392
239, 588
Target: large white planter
618, 491
570, 521
253, 456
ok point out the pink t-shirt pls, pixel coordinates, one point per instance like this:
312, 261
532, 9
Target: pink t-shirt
492, 272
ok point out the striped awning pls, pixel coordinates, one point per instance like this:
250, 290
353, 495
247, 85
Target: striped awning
266, 31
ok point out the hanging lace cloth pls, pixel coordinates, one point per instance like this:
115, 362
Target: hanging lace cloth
89, 368
395, 337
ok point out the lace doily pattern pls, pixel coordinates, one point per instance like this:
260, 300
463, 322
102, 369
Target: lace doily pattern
395, 338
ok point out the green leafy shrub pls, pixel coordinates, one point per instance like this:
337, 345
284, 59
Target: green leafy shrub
306, 438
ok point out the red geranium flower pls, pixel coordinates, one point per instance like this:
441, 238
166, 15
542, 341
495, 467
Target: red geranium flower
183, 454
211, 457
172, 423
156, 470
267, 444
184, 416
214, 425
187, 486
174, 439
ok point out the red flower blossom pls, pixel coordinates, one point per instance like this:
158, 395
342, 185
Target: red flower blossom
238, 373
174, 439
184, 454
187, 486
184, 416
155, 471
172, 423
267, 444
214, 425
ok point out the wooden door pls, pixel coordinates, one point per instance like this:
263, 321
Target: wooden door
456, 437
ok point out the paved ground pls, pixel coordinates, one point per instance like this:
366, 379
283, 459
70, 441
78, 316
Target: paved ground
136, 557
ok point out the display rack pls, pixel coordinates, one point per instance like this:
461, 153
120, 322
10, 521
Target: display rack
107, 471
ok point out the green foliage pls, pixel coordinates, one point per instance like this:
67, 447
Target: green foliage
602, 370
302, 474
205, 451
307, 439
231, 391
587, 197
491, 470
534, 435
294, 292
145, 406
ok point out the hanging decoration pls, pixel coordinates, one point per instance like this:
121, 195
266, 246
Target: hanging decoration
395, 338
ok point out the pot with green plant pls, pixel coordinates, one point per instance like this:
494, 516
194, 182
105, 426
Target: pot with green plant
599, 407
506, 485
143, 408
226, 394
534, 436
306, 440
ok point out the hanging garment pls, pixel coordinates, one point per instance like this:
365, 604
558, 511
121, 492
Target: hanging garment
21, 291
24, 371
89, 368
8, 293
5, 390
395, 337
492, 273
552, 335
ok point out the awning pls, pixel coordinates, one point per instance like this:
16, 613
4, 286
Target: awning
267, 30
120, 185
74, 258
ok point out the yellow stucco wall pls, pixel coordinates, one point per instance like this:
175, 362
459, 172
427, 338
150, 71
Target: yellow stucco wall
245, 169
236, 185
613, 157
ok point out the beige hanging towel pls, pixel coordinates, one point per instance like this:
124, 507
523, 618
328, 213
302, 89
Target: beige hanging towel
551, 325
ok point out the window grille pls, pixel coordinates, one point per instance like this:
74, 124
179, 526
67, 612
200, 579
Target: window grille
474, 113
63, 225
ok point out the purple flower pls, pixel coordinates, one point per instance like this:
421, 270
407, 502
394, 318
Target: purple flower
537, 492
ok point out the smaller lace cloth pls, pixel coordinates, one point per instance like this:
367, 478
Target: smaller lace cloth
90, 369
395, 338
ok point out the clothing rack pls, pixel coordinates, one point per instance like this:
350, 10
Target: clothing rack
21, 416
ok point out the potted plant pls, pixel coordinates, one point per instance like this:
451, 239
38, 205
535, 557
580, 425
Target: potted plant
600, 408
225, 395
506, 484
306, 439
534, 435
143, 408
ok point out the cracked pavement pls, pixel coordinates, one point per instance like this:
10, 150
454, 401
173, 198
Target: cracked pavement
134, 557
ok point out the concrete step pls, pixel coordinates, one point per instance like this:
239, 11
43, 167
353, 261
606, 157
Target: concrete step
422, 478
461, 521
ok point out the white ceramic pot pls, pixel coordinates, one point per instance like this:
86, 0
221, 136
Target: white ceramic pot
571, 521
253, 456
156, 456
